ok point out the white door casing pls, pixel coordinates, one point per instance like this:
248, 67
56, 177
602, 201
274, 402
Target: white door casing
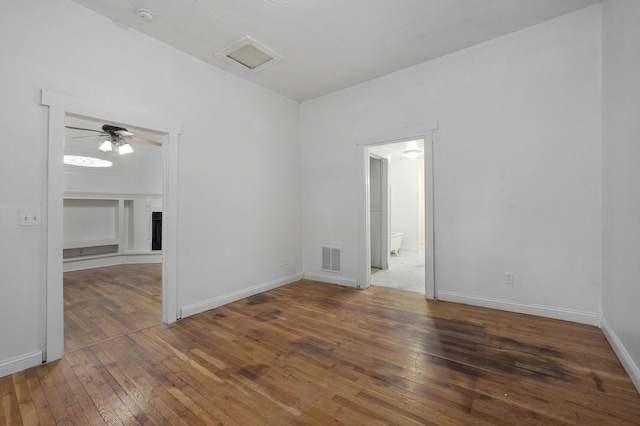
424, 131
59, 105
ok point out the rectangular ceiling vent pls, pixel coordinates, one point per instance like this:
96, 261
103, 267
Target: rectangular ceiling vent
332, 259
250, 54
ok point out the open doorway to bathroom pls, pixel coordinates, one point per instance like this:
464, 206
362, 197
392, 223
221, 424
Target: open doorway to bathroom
397, 215
395, 137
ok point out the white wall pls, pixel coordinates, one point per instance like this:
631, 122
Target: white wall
404, 180
239, 158
621, 180
517, 164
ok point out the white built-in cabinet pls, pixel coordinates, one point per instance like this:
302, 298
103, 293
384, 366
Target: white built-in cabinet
108, 229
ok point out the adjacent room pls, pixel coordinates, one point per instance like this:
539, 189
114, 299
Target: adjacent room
112, 231
238, 266
397, 210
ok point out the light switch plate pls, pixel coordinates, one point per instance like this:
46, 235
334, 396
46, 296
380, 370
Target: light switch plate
30, 218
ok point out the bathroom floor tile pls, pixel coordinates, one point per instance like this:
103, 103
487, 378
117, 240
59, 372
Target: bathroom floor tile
406, 272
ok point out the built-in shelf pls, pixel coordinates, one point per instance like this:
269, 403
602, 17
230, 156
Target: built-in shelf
106, 231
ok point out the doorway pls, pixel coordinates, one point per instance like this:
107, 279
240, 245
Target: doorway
112, 276
403, 253
59, 106
425, 215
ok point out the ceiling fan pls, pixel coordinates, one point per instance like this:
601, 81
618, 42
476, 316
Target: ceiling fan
115, 137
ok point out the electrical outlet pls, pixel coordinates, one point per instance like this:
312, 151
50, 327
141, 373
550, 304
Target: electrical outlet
508, 278
283, 261
30, 218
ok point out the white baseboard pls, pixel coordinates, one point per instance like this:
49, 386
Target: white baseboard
134, 258
110, 260
632, 369
20, 363
413, 250
91, 263
331, 279
206, 305
582, 317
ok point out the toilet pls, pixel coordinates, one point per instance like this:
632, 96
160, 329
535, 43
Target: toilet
395, 242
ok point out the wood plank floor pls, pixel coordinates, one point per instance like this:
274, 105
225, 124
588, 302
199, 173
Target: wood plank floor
102, 303
314, 353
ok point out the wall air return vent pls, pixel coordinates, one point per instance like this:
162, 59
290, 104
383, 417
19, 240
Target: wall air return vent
250, 54
332, 259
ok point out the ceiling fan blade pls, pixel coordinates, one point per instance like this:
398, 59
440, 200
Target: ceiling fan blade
82, 128
121, 132
101, 135
124, 133
143, 140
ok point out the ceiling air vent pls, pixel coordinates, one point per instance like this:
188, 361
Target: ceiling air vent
249, 54
332, 259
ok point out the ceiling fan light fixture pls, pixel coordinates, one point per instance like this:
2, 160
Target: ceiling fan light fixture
412, 153
125, 148
106, 146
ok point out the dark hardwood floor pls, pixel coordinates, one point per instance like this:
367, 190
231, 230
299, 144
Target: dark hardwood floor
315, 353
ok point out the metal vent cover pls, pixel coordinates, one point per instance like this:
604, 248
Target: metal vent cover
332, 259
250, 54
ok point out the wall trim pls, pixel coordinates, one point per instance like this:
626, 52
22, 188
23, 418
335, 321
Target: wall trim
582, 317
206, 305
425, 131
70, 265
331, 279
411, 250
61, 104
632, 369
107, 195
138, 258
20, 363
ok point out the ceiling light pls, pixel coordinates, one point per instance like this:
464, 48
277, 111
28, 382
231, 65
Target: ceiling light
145, 14
412, 153
106, 146
82, 161
125, 148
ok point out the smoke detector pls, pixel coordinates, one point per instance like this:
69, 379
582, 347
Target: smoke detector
145, 14
250, 54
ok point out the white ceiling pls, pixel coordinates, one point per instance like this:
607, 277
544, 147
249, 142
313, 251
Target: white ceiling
329, 45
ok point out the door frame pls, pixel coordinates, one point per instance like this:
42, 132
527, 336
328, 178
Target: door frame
59, 106
420, 131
